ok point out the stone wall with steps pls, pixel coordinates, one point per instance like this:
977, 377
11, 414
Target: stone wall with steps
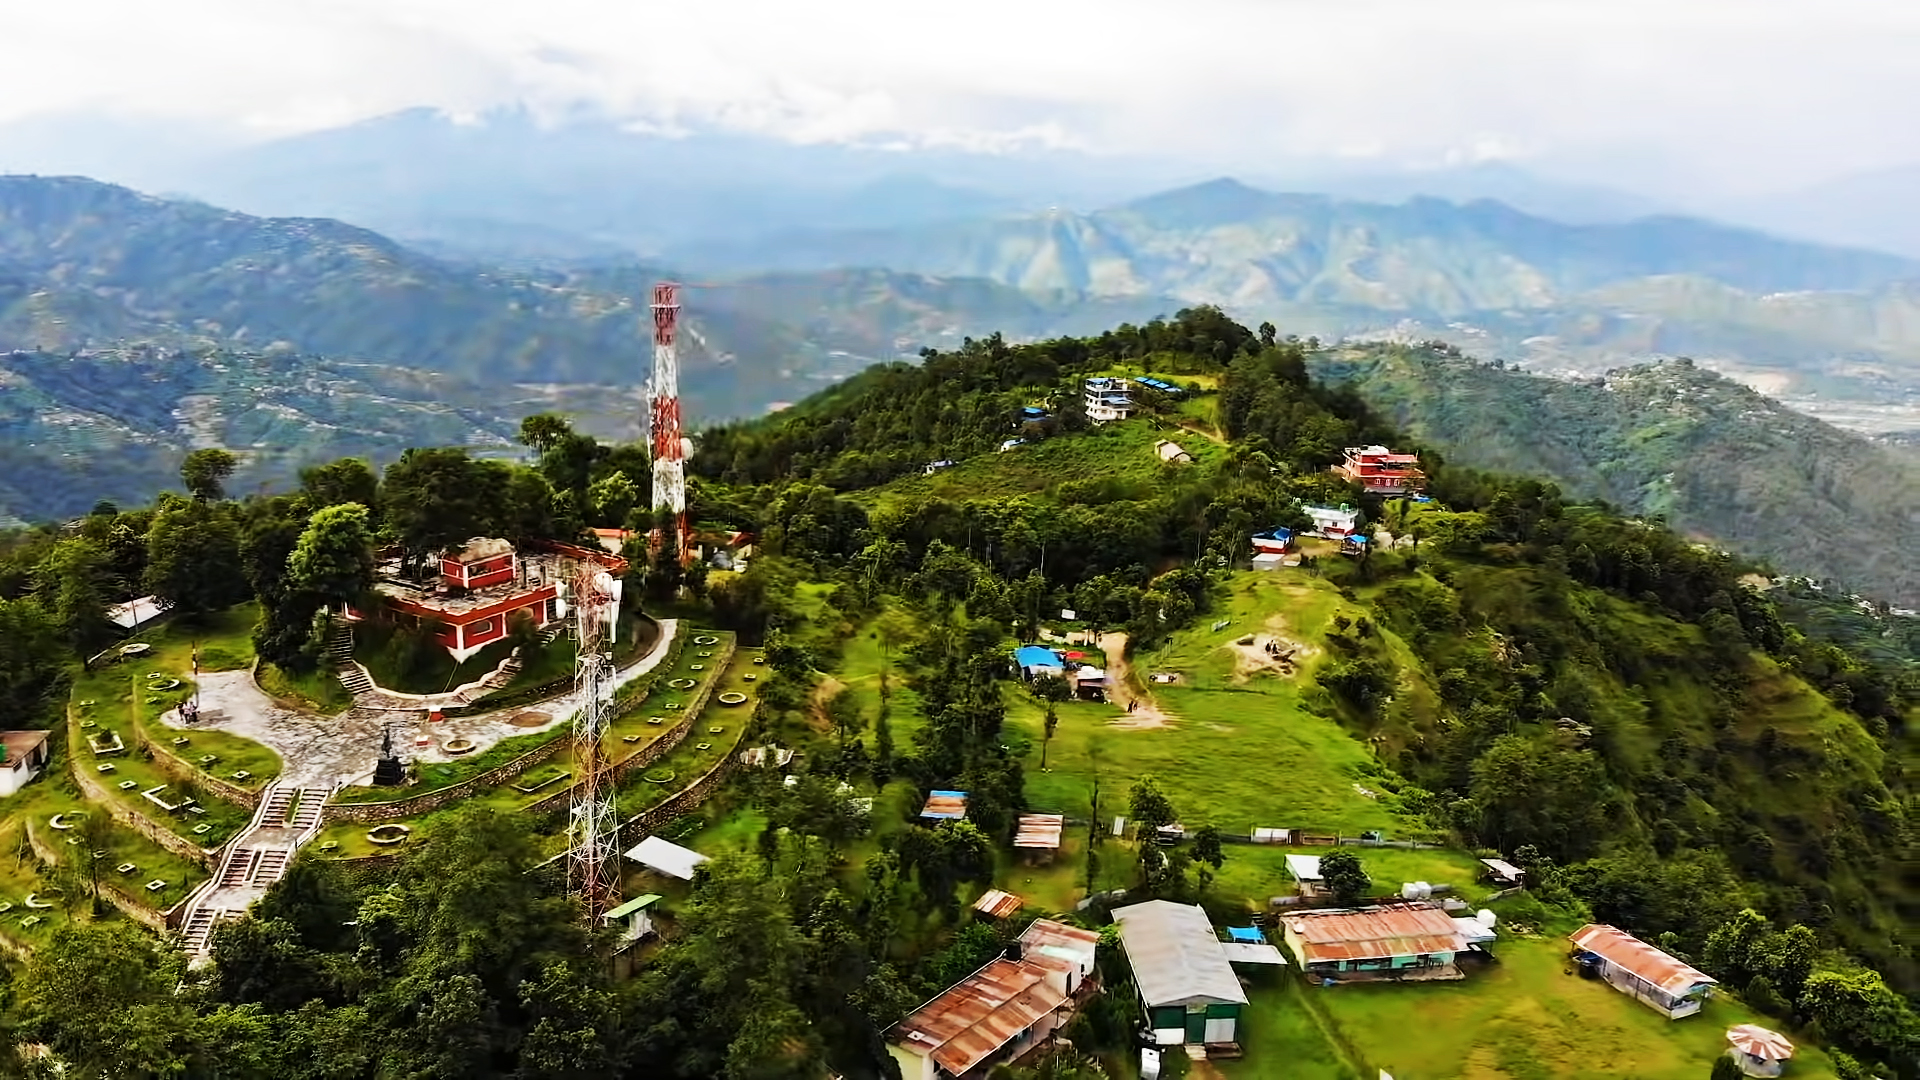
428, 801
181, 771
625, 698
661, 746
130, 906
96, 792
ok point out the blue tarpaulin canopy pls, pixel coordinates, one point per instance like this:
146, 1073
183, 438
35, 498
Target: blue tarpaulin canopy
1246, 933
1030, 656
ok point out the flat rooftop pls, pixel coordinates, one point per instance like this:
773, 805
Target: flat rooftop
537, 571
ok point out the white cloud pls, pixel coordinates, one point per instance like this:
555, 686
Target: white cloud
1728, 89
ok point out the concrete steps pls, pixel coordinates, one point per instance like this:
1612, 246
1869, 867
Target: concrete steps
354, 678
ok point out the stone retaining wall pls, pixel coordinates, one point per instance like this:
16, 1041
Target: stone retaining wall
648, 821
367, 870
661, 746
179, 770
141, 823
130, 906
427, 801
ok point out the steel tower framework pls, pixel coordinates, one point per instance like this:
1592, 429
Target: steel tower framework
669, 450
593, 866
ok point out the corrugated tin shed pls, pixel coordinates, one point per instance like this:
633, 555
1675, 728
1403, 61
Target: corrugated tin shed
996, 904
1374, 934
667, 857
1039, 831
1050, 942
1176, 958
1503, 870
978, 1015
946, 805
1629, 953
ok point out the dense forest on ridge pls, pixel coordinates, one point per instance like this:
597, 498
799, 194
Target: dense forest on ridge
1660, 742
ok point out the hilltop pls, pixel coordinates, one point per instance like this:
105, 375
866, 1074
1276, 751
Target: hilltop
1709, 456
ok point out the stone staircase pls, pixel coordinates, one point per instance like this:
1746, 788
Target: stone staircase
287, 818
340, 654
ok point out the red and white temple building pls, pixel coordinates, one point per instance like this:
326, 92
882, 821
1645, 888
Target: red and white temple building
483, 587
1381, 471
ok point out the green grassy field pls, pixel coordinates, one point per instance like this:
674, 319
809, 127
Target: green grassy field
1121, 452
1526, 1017
116, 696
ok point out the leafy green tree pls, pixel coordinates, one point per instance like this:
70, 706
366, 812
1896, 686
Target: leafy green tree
192, 551
844, 713
1725, 1068
73, 582
612, 498
1343, 876
434, 499
205, 473
101, 997
1207, 848
574, 1031
333, 559
348, 480
1151, 810
33, 664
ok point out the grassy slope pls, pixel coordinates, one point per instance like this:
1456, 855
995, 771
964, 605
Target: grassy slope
1121, 452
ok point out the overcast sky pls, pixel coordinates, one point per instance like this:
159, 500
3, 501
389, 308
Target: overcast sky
1735, 94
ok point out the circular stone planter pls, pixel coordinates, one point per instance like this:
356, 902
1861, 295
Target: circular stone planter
706, 639
733, 697
165, 684
660, 777
696, 667
389, 834
459, 746
681, 684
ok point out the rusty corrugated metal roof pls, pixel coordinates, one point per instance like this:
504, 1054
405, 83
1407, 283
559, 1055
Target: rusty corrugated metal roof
1039, 831
980, 1014
1629, 953
997, 904
945, 804
1059, 939
1374, 934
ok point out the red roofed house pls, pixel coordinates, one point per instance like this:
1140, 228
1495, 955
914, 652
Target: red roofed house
485, 585
1396, 941
1002, 1010
1380, 470
1662, 982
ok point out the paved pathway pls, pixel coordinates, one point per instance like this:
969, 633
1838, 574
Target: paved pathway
329, 751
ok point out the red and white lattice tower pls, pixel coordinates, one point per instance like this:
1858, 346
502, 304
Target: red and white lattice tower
593, 864
669, 449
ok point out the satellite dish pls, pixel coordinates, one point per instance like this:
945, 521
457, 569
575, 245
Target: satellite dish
603, 583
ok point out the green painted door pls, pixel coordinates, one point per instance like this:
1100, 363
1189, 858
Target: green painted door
1197, 1026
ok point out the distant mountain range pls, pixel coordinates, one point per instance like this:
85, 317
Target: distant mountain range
1716, 459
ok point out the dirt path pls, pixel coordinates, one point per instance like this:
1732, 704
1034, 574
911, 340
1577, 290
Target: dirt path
823, 693
1124, 689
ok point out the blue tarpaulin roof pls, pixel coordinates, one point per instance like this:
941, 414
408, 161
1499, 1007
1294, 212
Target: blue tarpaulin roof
1246, 933
1034, 656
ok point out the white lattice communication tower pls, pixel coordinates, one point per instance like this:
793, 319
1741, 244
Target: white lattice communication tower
669, 450
593, 866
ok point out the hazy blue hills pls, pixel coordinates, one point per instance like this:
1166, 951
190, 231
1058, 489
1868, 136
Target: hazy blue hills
1713, 457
